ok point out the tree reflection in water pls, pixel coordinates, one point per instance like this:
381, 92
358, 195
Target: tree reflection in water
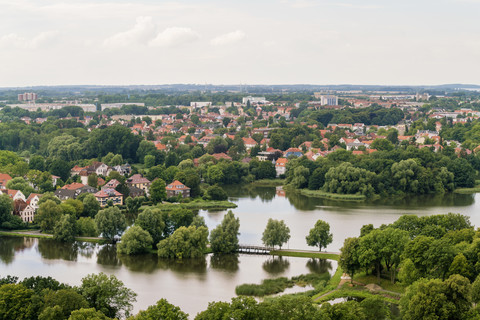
276, 265
8, 247
107, 255
227, 262
147, 263
51, 249
319, 265
197, 266
86, 249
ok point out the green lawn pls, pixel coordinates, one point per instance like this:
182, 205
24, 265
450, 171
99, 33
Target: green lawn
196, 205
330, 196
384, 283
269, 182
318, 255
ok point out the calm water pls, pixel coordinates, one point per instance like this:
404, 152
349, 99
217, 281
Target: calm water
194, 283
257, 204
190, 285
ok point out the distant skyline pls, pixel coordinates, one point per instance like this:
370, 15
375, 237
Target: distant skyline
47, 42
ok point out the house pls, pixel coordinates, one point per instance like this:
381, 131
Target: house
33, 199
124, 170
135, 192
281, 166
221, 155
73, 190
249, 143
14, 194
4, 178
104, 195
293, 152
140, 182
177, 188
112, 184
25, 211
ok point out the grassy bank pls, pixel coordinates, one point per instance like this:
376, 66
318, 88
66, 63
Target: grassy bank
48, 236
269, 182
467, 190
317, 255
358, 292
332, 196
197, 205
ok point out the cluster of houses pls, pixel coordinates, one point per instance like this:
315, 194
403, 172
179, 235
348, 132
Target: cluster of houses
26, 207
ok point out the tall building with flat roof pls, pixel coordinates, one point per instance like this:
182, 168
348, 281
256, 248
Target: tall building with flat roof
329, 100
27, 96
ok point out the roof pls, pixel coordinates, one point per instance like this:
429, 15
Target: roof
5, 177
221, 155
177, 185
249, 141
281, 162
73, 186
11, 193
31, 196
106, 193
137, 178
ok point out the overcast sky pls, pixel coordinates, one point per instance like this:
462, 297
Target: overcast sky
47, 42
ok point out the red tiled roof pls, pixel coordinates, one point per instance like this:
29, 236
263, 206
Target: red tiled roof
73, 186
176, 185
106, 193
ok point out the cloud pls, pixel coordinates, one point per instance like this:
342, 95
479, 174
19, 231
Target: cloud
141, 33
228, 38
174, 36
40, 40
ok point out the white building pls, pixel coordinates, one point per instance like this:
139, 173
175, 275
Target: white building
256, 100
200, 104
329, 100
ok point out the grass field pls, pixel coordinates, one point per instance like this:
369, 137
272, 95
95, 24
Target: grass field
197, 205
301, 254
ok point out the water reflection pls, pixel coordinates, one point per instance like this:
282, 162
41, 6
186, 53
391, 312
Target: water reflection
276, 265
197, 266
227, 262
300, 202
51, 249
9, 246
107, 255
266, 194
147, 263
319, 265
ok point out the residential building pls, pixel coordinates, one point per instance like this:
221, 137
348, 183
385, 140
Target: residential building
4, 178
329, 100
104, 195
25, 211
177, 188
140, 182
281, 166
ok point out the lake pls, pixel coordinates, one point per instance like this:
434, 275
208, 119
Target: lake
191, 284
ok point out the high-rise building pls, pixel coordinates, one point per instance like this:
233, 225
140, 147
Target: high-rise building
27, 96
329, 100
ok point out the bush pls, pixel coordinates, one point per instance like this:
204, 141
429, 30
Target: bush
268, 287
216, 193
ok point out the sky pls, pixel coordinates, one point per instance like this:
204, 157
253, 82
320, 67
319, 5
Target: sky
76, 42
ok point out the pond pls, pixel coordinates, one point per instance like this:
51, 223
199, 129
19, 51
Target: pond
190, 284
257, 204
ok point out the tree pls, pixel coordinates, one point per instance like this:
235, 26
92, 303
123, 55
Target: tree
375, 308
86, 227
437, 299
149, 161
320, 235
90, 205
48, 215
15, 302
92, 180
216, 192
349, 256
110, 223
67, 300
134, 241
133, 204
65, 229
151, 221
158, 191
107, 294
224, 238
276, 233
18, 183
6, 207
185, 242
87, 314
347, 179
161, 311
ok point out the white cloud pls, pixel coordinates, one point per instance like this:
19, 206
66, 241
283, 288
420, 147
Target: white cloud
141, 33
40, 40
228, 38
174, 36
